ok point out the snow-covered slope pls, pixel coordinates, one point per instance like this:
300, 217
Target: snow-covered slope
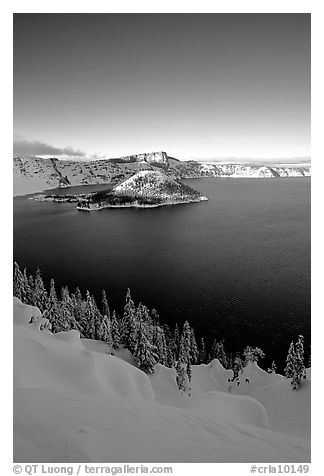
35, 174
75, 403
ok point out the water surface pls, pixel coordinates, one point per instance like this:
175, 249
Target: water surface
237, 266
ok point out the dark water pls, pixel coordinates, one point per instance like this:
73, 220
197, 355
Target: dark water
237, 266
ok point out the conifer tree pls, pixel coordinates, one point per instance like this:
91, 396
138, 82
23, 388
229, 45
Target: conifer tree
169, 346
290, 361
91, 318
181, 375
185, 348
188, 371
230, 361
155, 317
273, 368
176, 342
185, 343
78, 310
27, 289
144, 351
66, 309
54, 314
31, 284
128, 324
159, 341
115, 335
202, 352
194, 352
18, 283
309, 363
218, 352
299, 372
237, 365
189, 375
97, 318
105, 305
252, 354
104, 332
39, 292
142, 314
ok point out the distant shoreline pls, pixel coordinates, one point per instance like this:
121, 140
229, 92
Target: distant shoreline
136, 205
30, 194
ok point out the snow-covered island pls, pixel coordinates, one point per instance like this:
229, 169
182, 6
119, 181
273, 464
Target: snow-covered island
146, 189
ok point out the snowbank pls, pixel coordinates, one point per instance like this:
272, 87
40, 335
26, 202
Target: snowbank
75, 403
289, 411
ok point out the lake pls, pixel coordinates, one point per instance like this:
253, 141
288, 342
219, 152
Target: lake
237, 266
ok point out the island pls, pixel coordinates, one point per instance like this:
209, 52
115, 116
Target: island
146, 189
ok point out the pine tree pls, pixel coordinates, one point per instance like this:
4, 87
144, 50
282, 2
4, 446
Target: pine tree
218, 352
144, 351
18, 283
58, 322
194, 353
290, 361
237, 365
176, 342
299, 367
104, 332
115, 335
309, 362
189, 375
105, 305
273, 368
28, 297
159, 341
31, 284
155, 317
91, 318
202, 352
66, 308
142, 314
39, 292
252, 354
169, 346
78, 310
97, 318
188, 370
128, 324
185, 343
230, 364
181, 376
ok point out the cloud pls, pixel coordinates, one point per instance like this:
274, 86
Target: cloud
25, 146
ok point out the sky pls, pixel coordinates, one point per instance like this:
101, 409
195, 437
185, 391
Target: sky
198, 86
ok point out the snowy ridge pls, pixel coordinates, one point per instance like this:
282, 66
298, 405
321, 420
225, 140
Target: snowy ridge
35, 174
75, 403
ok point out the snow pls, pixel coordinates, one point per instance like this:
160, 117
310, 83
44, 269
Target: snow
36, 174
73, 402
234, 408
289, 411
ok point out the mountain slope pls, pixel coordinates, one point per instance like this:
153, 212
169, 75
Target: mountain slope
34, 174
